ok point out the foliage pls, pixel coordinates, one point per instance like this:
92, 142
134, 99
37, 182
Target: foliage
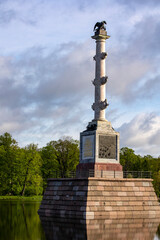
24, 171
19, 220
129, 160
8, 150
67, 154
19, 168
31, 180
132, 162
59, 157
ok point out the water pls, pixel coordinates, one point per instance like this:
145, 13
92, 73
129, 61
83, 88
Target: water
20, 221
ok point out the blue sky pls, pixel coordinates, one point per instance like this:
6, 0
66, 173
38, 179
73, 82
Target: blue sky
46, 68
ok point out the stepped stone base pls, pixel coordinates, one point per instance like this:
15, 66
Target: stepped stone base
99, 198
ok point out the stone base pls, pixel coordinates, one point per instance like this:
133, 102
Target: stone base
108, 170
99, 198
100, 166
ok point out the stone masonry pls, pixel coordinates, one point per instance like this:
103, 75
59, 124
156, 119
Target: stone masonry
103, 198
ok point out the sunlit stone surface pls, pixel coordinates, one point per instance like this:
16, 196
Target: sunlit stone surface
95, 198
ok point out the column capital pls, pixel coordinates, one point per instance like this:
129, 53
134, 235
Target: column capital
100, 35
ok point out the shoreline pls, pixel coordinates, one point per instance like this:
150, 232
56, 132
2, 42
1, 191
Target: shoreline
21, 198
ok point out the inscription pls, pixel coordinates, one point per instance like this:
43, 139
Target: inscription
88, 146
108, 147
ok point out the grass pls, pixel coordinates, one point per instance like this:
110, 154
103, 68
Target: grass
22, 198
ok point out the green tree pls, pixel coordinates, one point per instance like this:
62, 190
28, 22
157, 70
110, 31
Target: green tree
7, 141
67, 154
60, 156
3, 171
8, 150
49, 162
156, 182
31, 175
128, 159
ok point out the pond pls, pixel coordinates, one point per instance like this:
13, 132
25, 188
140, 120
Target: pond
19, 220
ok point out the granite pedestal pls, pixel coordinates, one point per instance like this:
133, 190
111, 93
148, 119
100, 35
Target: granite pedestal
99, 151
99, 198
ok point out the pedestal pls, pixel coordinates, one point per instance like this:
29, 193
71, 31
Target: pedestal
99, 151
99, 198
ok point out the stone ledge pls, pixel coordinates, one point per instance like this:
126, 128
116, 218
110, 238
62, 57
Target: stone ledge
102, 179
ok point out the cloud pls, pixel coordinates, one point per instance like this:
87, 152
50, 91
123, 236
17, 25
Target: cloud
142, 133
46, 65
46, 92
149, 89
133, 69
124, 74
5, 68
137, 3
7, 16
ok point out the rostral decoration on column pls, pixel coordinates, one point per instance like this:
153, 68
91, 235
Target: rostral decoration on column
100, 80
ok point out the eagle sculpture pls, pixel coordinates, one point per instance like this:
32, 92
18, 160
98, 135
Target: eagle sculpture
99, 25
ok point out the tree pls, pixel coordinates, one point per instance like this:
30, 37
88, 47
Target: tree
156, 182
7, 141
49, 162
128, 159
31, 182
3, 170
60, 156
67, 154
8, 150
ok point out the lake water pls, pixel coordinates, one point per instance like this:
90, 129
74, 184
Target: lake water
20, 221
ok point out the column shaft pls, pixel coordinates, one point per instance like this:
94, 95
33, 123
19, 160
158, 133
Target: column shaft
99, 73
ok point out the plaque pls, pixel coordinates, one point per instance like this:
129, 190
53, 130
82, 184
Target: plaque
88, 146
108, 147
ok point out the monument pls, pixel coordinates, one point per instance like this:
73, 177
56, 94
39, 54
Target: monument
99, 144
106, 194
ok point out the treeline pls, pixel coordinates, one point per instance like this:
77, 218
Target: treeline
132, 162
24, 171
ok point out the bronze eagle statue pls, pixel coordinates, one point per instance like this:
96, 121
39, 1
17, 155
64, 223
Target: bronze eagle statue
99, 25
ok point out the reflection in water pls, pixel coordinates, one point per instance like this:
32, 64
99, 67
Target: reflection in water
158, 232
117, 229
19, 220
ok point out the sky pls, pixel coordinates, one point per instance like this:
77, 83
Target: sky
46, 70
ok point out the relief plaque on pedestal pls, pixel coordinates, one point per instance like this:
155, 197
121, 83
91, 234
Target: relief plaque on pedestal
88, 147
108, 147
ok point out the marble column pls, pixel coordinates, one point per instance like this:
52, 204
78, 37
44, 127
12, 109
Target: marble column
99, 143
100, 80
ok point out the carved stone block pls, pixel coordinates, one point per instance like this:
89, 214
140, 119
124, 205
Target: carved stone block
88, 146
108, 147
